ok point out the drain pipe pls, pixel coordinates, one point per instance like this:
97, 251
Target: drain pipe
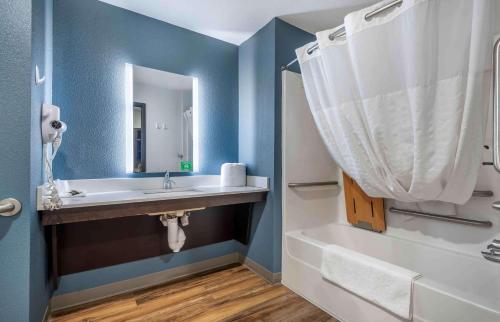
176, 235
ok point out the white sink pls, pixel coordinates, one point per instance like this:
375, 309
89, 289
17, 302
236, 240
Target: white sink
159, 191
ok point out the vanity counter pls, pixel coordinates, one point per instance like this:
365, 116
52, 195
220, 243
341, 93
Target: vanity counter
114, 198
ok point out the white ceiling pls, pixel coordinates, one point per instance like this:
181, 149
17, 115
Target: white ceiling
235, 21
159, 78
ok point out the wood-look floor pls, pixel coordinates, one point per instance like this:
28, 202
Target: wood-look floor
231, 294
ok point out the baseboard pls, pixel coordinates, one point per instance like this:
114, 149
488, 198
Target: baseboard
64, 301
46, 315
259, 269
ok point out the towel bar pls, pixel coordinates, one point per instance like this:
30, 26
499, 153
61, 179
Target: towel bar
458, 220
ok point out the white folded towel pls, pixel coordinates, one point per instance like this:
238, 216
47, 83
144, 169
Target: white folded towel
379, 282
233, 175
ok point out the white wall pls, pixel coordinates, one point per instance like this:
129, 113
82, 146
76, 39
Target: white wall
162, 145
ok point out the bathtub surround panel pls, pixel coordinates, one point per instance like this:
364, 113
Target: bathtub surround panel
288, 38
260, 59
90, 54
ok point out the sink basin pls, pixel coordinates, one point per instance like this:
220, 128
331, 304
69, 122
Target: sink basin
160, 191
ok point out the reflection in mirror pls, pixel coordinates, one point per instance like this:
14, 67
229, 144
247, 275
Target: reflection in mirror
139, 137
164, 107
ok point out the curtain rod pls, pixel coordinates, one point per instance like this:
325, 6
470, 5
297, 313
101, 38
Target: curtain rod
340, 32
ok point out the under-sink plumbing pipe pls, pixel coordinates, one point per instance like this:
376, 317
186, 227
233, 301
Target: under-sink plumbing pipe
185, 219
176, 235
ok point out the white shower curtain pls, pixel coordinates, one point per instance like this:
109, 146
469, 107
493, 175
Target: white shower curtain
401, 102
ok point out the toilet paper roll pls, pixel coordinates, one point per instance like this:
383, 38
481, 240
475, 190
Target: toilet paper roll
233, 175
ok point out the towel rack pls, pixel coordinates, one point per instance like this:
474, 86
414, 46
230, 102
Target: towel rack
458, 220
312, 184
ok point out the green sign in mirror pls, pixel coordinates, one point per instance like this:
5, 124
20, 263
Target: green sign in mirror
186, 166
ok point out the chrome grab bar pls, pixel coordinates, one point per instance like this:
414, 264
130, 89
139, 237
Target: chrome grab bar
9, 207
458, 220
482, 193
312, 184
496, 98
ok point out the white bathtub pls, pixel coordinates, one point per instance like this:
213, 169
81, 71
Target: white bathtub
454, 287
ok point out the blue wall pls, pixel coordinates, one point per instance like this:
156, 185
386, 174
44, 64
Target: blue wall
90, 52
260, 60
24, 291
256, 134
92, 43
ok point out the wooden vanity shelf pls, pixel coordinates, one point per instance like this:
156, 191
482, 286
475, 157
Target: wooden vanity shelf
92, 237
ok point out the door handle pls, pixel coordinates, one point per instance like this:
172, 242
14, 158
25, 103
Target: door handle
9, 207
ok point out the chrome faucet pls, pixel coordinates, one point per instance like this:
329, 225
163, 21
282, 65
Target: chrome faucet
167, 182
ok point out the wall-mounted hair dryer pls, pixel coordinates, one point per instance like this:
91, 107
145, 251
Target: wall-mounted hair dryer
52, 127
52, 130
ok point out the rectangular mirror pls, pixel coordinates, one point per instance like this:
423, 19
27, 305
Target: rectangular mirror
163, 121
